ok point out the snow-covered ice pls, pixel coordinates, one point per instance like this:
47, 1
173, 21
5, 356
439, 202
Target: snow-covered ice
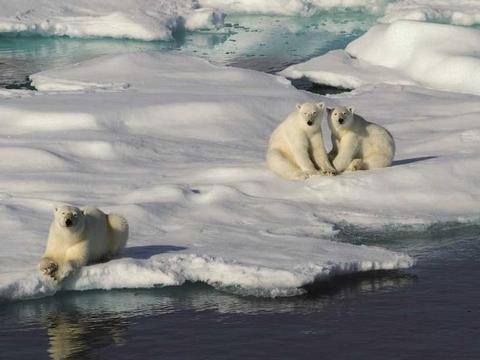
177, 145
438, 56
133, 19
293, 7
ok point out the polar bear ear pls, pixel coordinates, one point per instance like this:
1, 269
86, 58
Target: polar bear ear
55, 209
321, 105
351, 109
298, 106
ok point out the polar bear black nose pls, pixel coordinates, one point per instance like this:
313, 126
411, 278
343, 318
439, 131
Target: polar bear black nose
309, 123
68, 222
340, 121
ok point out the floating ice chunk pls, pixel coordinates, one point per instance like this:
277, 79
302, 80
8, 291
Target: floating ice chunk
133, 19
203, 19
291, 7
437, 56
465, 12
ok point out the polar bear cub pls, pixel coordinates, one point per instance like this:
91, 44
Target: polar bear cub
357, 143
81, 236
296, 150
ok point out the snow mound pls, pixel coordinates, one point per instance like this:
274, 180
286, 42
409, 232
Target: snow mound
437, 56
132, 19
465, 12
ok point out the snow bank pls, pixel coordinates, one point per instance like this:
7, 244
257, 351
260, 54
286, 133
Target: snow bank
464, 12
437, 56
132, 19
292, 7
177, 145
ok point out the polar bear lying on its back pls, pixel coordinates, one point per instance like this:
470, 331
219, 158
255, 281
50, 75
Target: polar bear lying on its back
81, 236
357, 143
296, 150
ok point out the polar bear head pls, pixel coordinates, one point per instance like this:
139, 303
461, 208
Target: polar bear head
341, 118
311, 114
69, 217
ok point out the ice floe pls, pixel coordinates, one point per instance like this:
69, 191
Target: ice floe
179, 150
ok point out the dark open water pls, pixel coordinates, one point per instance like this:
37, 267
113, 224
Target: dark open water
429, 312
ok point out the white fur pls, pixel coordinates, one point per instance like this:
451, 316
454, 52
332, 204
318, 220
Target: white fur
91, 236
296, 150
357, 143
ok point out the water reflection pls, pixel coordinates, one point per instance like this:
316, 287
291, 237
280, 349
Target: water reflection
81, 324
72, 335
201, 297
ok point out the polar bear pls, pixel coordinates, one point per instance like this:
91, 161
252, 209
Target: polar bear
81, 236
357, 143
296, 150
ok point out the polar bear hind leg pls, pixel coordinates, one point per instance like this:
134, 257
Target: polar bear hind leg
376, 161
118, 233
283, 166
356, 164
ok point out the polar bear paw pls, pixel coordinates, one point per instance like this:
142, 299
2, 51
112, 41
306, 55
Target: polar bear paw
329, 172
301, 176
49, 269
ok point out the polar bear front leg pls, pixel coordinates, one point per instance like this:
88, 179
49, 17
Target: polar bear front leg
299, 145
320, 155
76, 257
346, 152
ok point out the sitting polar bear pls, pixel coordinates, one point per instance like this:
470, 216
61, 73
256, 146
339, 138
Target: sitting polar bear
81, 236
357, 143
296, 150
